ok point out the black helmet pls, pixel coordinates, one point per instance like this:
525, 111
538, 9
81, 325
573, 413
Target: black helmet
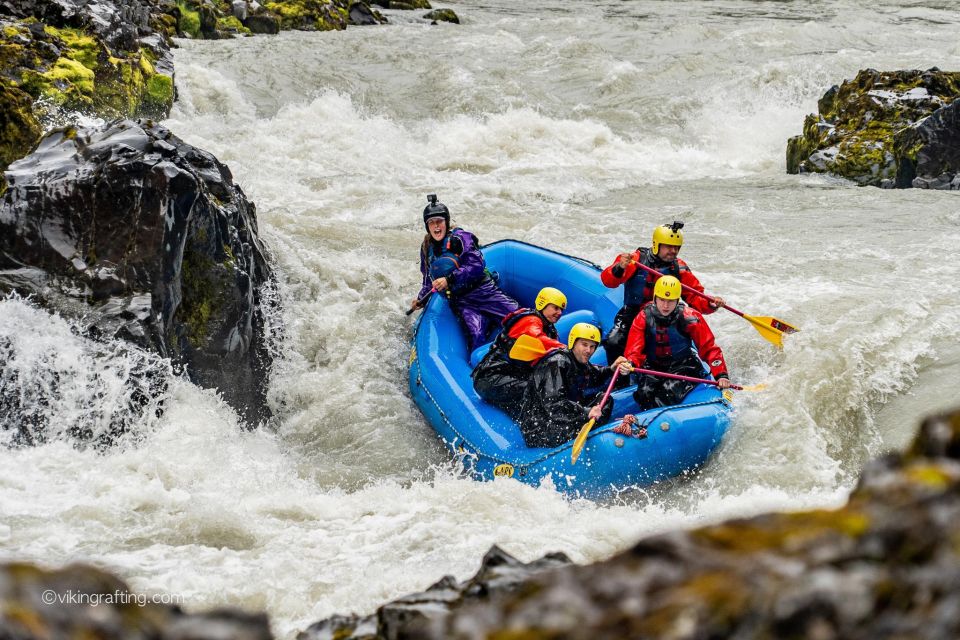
435, 209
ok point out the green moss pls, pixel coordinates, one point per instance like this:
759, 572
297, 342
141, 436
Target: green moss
199, 301
231, 23
929, 475
189, 20
784, 533
19, 129
159, 97
81, 47
320, 15
70, 72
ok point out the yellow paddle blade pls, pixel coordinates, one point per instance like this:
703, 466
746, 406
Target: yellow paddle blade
771, 328
527, 348
580, 441
754, 387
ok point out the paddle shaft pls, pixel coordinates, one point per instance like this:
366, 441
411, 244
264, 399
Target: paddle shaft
613, 380
420, 301
581, 438
689, 289
676, 376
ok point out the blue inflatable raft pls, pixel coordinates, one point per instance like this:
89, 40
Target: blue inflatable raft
489, 444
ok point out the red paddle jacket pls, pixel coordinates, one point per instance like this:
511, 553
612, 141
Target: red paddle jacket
613, 276
655, 344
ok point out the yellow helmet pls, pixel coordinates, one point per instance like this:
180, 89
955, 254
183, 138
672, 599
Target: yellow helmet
549, 295
668, 288
667, 234
583, 330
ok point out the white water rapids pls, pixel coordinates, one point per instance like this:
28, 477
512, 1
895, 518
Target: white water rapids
576, 125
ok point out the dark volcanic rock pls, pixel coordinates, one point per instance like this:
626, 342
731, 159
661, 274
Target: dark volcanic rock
930, 151
119, 24
145, 238
424, 613
264, 23
889, 129
361, 14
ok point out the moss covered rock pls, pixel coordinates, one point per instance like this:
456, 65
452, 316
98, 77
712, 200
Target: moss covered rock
19, 129
442, 15
311, 15
67, 69
855, 133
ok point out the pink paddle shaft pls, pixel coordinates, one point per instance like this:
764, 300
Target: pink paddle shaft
606, 395
676, 376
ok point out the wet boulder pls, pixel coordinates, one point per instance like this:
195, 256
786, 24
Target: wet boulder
888, 129
362, 15
442, 15
142, 237
426, 613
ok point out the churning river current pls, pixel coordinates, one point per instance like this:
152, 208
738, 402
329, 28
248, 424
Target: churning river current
575, 125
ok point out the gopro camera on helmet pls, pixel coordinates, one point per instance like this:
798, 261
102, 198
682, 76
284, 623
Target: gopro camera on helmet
432, 198
676, 226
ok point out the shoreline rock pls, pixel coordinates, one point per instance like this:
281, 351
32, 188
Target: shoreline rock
145, 238
892, 129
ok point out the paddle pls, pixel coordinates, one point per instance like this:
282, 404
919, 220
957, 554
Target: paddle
420, 302
585, 429
675, 376
529, 348
770, 328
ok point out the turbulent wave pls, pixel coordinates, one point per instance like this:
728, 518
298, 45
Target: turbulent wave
56, 384
579, 128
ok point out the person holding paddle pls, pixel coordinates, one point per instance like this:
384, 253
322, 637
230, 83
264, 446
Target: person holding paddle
451, 263
669, 336
501, 377
638, 282
558, 398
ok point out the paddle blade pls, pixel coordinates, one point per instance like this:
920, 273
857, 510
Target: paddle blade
749, 387
771, 328
580, 441
527, 348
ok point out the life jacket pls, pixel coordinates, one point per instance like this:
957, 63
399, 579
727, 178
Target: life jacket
446, 260
668, 342
639, 288
503, 343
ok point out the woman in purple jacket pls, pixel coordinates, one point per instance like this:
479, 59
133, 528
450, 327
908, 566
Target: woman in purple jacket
451, 263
